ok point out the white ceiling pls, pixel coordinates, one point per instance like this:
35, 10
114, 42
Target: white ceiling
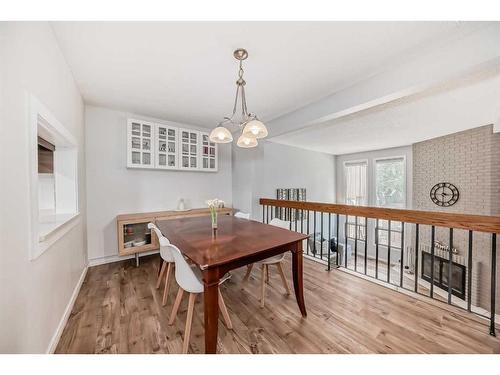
466, 104
185, 72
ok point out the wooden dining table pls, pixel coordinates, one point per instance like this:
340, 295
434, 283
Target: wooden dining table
238, 242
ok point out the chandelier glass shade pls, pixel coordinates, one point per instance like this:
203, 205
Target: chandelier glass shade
248, 123
221, 135
247, 142
256, 129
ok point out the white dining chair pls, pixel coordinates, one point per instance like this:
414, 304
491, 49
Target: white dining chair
189, 279
242, 215
167, 264
275, 260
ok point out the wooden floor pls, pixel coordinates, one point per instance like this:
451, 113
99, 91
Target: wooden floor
119, 310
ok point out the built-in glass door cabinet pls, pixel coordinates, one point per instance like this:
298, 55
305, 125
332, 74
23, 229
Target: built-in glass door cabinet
166, 147
208, 153
189, 149
140, 144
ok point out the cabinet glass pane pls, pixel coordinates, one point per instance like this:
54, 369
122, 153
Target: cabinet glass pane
136, 157
163, 159
185, 161
185, 135
171, 146
146, 130
136, 143
146, 144
194, 137
212, 151
212, 163
171, 132
193, 149
162, 146
171, 160
185, 149
135, 234
136, 128
193, 162
162, 132
205, 163
146, 158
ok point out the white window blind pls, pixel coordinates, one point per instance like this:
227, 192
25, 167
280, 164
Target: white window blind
356, 195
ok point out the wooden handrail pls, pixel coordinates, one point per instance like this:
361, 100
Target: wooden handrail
480, 223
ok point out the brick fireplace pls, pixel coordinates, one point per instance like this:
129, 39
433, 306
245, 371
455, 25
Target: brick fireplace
471, 161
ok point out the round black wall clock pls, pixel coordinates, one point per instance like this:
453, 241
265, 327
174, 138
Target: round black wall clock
444, 194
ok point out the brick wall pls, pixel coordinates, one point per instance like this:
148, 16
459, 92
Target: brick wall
471, 161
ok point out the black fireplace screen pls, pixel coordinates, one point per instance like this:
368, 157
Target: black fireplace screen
458, 274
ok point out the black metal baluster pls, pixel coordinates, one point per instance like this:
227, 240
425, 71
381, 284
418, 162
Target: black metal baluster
301, 221
376, 248
308, 240
401, 258
433, 235
329, 239
389, 251
469, 274
345, 238
415, 272
450, 260
366, 245
356, 243
267, 215
493, 282
321, 238
290, 218
337, 239
263, 213
314, 234
295, 217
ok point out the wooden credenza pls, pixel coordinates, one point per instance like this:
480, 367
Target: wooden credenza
133, 228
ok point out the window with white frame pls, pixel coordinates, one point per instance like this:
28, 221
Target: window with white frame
356, 194
54, 182
390, 191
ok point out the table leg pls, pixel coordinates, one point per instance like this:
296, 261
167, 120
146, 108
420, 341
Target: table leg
211, 306
298, 277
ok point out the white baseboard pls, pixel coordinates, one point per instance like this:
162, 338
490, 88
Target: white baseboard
117, 258
64, 319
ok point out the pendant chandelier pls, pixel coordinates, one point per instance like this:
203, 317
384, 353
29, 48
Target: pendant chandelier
249, 124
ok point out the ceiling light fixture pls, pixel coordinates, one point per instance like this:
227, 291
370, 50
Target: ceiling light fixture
251, 127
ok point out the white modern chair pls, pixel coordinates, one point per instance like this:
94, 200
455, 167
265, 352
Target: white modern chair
167, 264
275, 260
189, 279
242, 215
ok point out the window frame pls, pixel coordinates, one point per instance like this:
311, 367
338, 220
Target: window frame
377, 228
40, 118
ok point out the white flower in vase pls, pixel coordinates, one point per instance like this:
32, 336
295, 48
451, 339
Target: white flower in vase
213, 205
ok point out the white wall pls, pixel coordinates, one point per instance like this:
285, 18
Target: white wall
113, 189
34, 294
258, 172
